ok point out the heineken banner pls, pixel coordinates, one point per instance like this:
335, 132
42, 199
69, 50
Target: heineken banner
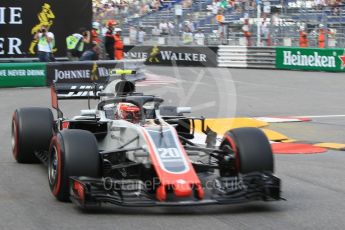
22, 74
174, 55
310, 59
20, 20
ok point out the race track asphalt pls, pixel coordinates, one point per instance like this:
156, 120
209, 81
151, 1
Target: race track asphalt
313, 185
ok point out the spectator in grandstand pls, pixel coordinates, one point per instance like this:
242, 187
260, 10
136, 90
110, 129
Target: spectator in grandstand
95, 32
92, 53
187, 36
215, 7
187, 3
156, 31
164, 27
220, 20
246, 32
322, 36
319, 4
220, 17
223, 4
118, 44
266, 9
265, 32
189, 25
199, 38
275, 19
109, 40
141, 35
46, 43
76, 44
171, 27
133, 34
303, 37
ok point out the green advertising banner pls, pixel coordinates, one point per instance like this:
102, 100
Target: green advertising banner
310, 59
22, 74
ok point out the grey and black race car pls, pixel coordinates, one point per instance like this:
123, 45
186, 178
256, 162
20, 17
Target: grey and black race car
133, 151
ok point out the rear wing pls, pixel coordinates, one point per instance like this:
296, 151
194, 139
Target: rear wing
84, 90
87, 90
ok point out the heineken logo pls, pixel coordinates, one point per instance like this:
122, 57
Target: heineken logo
342, 58
313, 60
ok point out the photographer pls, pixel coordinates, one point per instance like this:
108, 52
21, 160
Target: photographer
46, 43
76, 44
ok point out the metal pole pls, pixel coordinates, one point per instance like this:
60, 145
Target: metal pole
258, 7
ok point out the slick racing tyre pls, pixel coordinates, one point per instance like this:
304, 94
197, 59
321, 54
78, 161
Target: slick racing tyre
32, 130
72, 153
251, 148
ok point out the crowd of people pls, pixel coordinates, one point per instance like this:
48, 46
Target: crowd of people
120, 9
104, 41
83, 45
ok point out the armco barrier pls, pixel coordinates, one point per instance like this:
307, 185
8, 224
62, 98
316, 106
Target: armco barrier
246, 57
295, 58
22, 74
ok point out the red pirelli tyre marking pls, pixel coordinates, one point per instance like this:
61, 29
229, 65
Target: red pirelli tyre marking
15, 137
57, 185
234, 148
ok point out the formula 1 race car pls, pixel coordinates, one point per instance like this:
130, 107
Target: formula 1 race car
133, 151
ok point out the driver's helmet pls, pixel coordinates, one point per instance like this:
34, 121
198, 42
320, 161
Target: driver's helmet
128, 112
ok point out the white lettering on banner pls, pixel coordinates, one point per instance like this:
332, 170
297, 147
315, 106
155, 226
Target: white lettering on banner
103, 72
2, 15
3, 73
13, 46
16, 72
166, 54
315, 60
2, 51
15, 15
71, 74
170, 56
203, 57
33, 72
141, 55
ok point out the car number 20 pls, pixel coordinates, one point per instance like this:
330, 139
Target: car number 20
168, 153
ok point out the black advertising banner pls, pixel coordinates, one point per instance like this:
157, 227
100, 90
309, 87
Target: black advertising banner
81, 72
21, 19
174, 55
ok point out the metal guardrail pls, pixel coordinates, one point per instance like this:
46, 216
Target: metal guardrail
246, 57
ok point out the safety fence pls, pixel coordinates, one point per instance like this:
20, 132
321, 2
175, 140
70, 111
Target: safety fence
44, 74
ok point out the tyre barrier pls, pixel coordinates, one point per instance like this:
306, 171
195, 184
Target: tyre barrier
246, 57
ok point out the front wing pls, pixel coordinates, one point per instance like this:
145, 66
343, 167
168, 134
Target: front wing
91, 192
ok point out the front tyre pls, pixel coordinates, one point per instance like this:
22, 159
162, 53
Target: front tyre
251, 149
72, 153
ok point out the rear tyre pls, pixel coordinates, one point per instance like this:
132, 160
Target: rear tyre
72, 153
32, 130
252, 150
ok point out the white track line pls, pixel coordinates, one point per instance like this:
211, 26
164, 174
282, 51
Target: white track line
319, 116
